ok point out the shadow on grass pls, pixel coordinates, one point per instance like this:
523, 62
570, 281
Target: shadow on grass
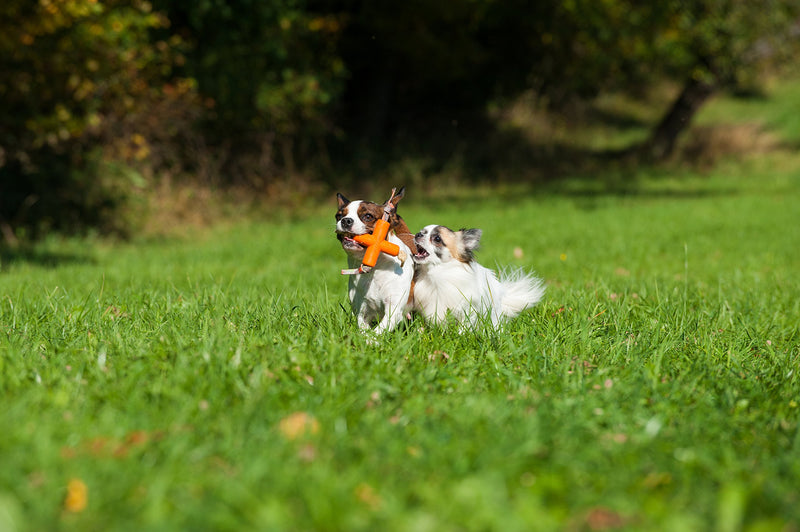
30, 255
475, 153
585, 195
513, 167
432, 156
634, 192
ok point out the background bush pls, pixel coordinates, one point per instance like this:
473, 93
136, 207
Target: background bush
83, 78
102, 98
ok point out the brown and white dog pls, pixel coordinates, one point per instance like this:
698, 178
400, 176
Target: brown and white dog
451, 284
382, 296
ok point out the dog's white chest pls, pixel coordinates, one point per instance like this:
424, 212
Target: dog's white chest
383, 293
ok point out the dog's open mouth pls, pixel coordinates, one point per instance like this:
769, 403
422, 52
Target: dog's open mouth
421, 254
348, 243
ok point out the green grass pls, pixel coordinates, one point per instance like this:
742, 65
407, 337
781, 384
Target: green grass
655, 388
783, 118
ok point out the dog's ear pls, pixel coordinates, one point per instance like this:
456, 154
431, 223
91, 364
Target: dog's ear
468, 242
471, 238
398, 196
342, 200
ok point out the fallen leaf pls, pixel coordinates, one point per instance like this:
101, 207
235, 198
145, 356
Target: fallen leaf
366, 494
297, 425
604, 519
77, 496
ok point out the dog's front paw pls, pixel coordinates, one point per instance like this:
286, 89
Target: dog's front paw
372, 338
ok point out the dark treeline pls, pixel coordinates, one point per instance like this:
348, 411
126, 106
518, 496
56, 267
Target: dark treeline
102, 96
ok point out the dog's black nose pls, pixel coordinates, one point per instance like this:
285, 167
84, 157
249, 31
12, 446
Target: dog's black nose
347, 223
419, 235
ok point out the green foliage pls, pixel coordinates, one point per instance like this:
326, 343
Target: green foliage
270, 67
733, 42
78, 69
593, 46
237, 92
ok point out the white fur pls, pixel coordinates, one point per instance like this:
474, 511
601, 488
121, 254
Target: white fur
382, 294
358, 227
463, 290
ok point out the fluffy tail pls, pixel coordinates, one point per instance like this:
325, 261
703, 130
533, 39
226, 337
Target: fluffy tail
521, 290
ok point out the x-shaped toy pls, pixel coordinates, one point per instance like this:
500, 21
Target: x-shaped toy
376, 242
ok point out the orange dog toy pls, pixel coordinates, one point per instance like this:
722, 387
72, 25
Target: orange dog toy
376, 242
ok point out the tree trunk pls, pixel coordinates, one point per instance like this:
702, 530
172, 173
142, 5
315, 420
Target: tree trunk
662, 141
8, 234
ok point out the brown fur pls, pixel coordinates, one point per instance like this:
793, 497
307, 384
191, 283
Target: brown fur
396, 222
450, 241
399, 226
403, 233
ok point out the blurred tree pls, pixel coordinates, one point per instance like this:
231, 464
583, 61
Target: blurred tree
426, 64
266, 84
418, 60
706, 45
713, 45
71, 69
272, 70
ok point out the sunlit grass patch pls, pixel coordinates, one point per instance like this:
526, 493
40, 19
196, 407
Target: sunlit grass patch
220, 382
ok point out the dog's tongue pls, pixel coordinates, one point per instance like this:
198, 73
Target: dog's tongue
350, 242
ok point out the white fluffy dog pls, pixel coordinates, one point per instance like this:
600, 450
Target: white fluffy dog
451, 283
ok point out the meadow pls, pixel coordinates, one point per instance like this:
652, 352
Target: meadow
219, 381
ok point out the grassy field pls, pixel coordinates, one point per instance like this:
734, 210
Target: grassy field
218, 383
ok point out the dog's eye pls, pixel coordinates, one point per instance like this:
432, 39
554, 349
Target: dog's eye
437, 239
338, 216
368, 217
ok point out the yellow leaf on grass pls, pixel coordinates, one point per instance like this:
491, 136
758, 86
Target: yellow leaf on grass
77, 496
297, 425
367, 495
